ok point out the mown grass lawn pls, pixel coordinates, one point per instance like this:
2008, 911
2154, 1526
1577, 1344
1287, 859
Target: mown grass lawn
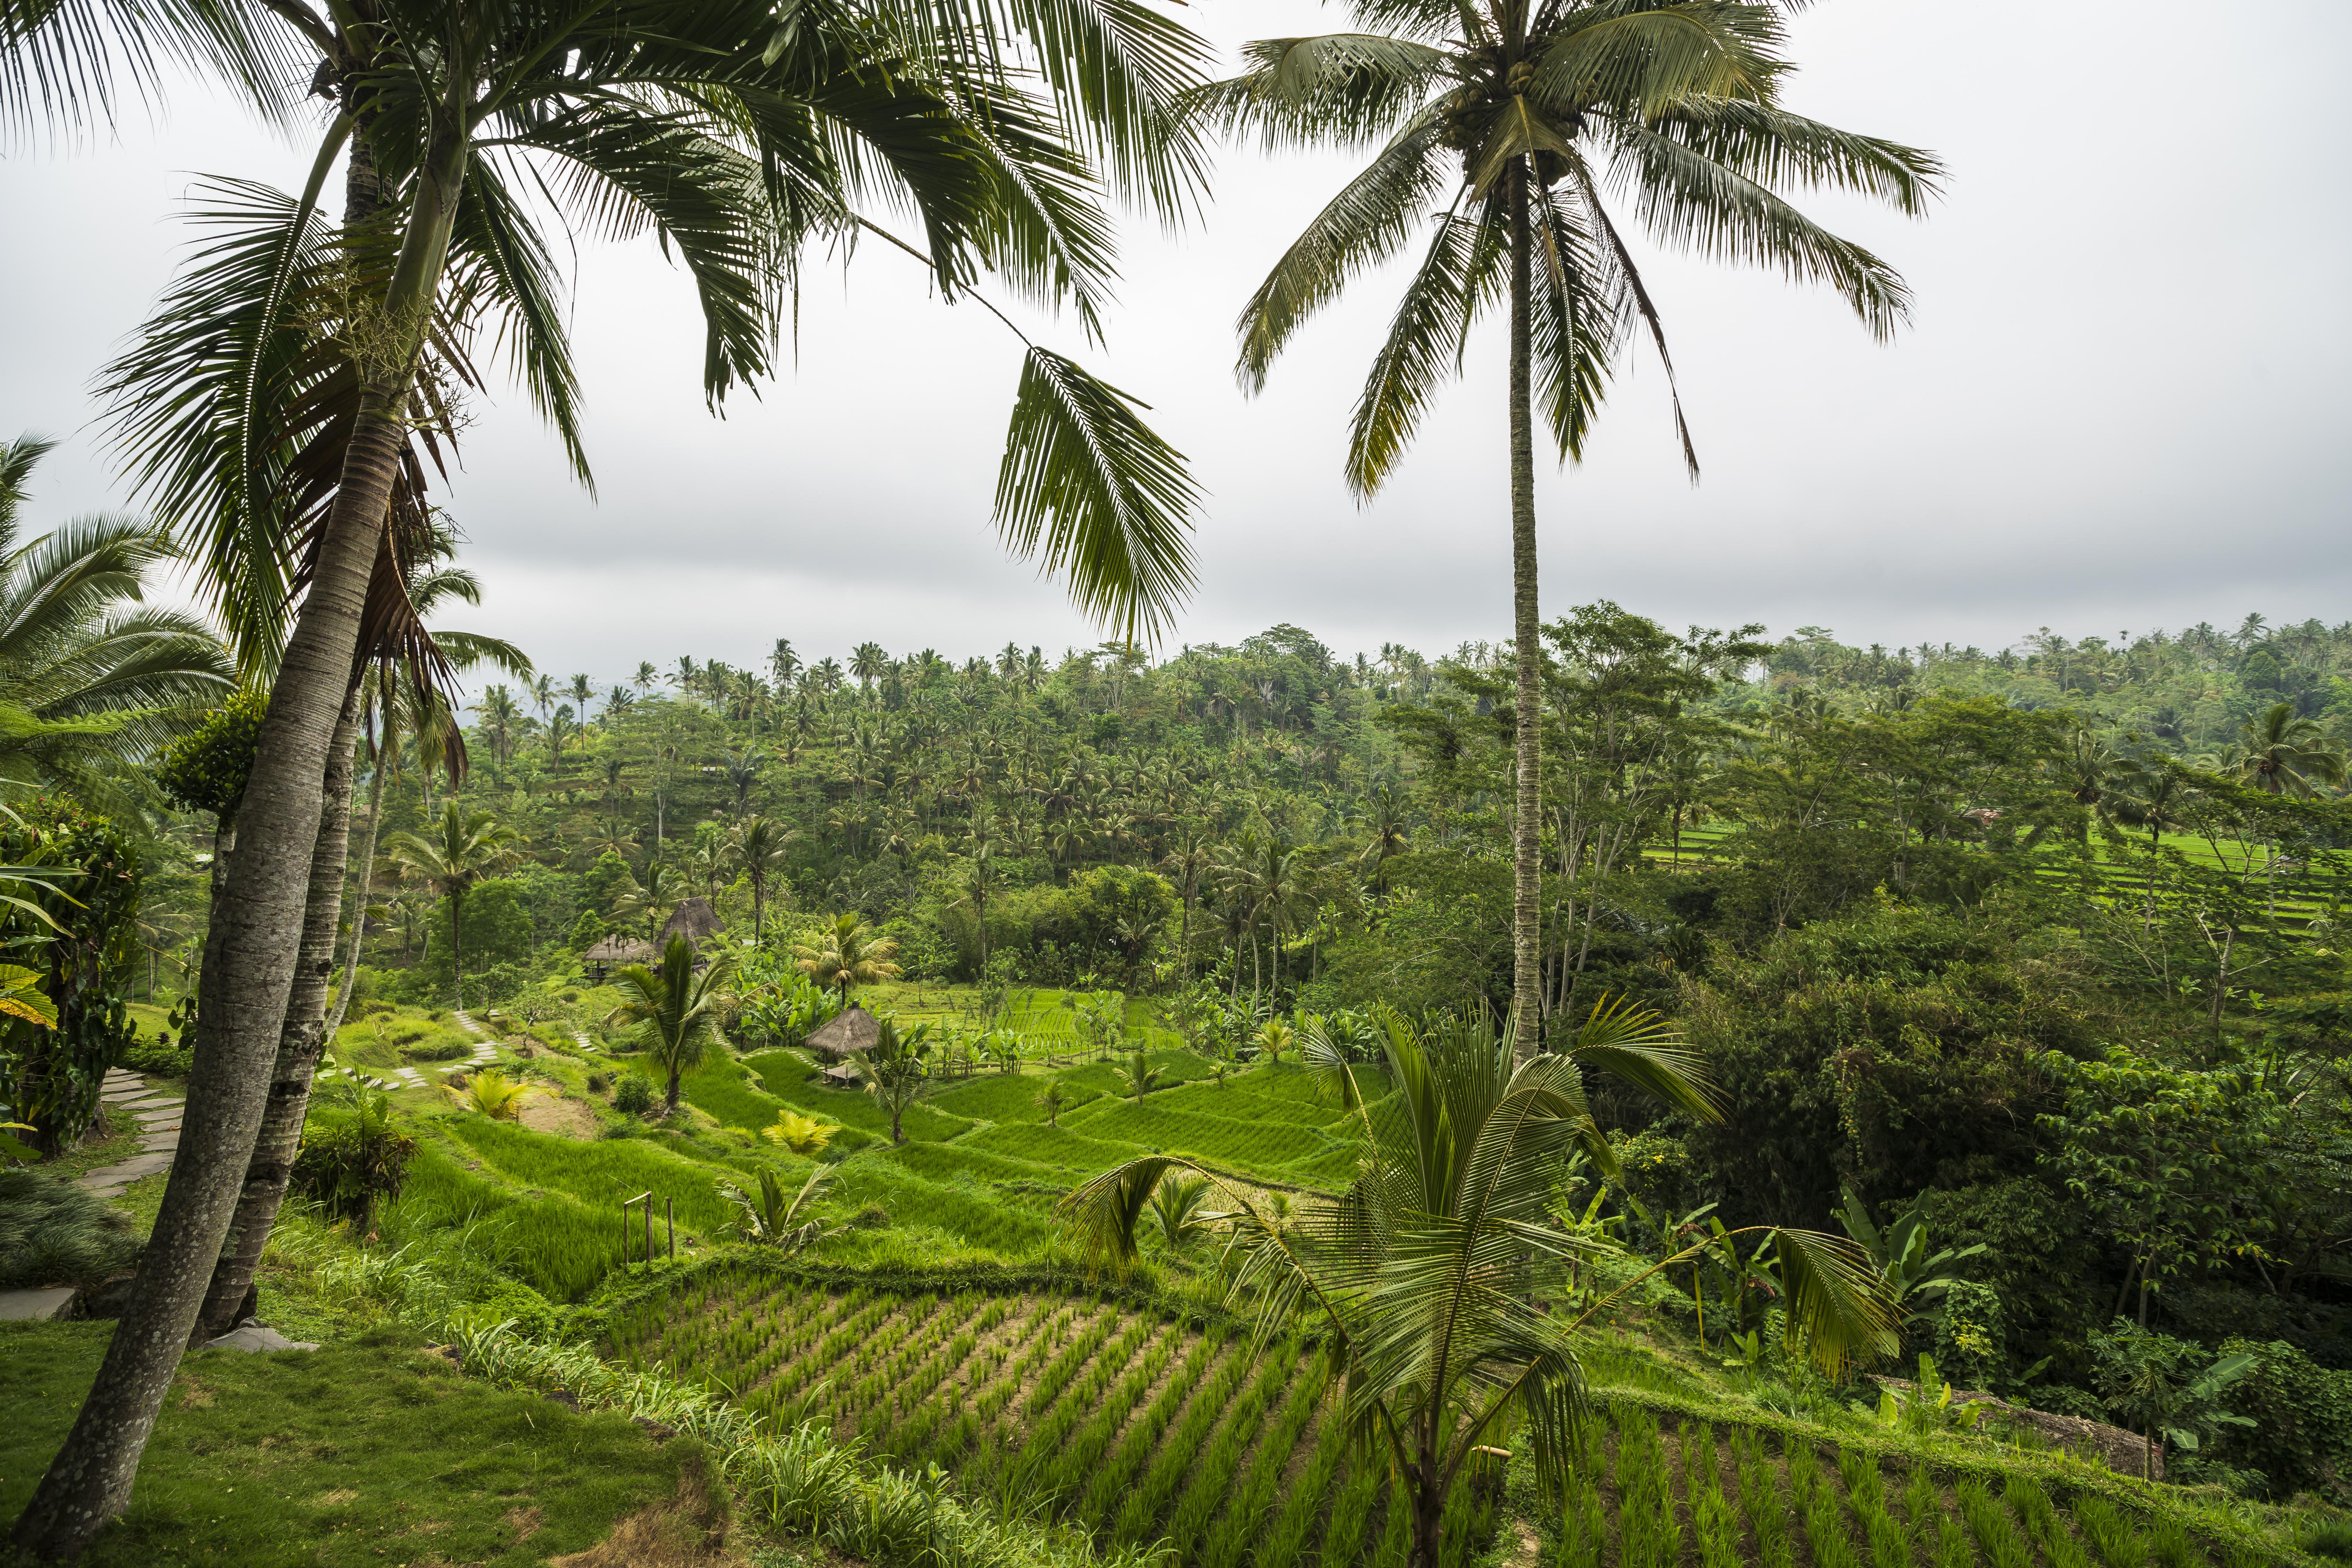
358, 1456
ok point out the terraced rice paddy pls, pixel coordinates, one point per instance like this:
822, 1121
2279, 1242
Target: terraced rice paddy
1136, 1428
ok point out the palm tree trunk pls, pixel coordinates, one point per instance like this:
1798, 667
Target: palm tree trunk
366, 858
256, 933
1184, 940
298, 1044
1526, 876
1428, 1519
457, 946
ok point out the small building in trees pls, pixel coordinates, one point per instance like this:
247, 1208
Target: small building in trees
851, 1032
613, 952
694, 919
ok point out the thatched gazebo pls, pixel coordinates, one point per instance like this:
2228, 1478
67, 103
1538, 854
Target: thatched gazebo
613, 951
694, 919
849, 1032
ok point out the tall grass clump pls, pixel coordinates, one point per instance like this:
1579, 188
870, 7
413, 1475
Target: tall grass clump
1761, 1501
1713, 1521
1866, 1493
2111, 1535
1648, 1533
2031, 1504
1817, 1503
1996, 1531
55, 1233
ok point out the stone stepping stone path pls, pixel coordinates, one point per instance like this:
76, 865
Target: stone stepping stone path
487, 1050
34, 1306
158, 1115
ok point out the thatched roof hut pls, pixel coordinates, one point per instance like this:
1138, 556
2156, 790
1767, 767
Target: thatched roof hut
696, 920
853, 1030
613, 951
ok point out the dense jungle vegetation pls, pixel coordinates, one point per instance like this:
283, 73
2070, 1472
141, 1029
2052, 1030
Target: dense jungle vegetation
2043, 944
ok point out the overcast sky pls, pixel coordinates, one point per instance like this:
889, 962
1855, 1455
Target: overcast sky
2119, 406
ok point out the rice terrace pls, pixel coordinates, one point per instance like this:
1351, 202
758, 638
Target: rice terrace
655, 914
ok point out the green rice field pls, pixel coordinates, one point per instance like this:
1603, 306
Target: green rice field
1136, 1427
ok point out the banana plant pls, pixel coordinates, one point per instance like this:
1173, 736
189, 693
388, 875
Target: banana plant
1913, 1274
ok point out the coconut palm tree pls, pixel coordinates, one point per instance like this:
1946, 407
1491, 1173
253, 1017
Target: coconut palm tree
2281, 754
673, 1010
461, 849
582, 692
742, 139
1190, 858
1387, 829
497, 718
848, 956
760, 845
649, 898
1520, 124
893, 1070
974, 882
1178, 1214
91, 680
742, 774
1431, 1272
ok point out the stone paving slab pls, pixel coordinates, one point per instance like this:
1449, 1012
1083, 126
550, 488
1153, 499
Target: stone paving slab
145, 1103
120, 1176
254, 1337
34, 1306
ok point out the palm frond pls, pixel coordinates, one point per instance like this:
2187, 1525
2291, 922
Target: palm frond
1613, 247
1643, 60
69, 63
1640, 1045
1765, 143
1335, 87
1836, 1299
1363, 226
1422, 348
498, 262
701, 198
17, 460
1577, 312
1116, 73
1094, 493
1107, 1210
1687, 200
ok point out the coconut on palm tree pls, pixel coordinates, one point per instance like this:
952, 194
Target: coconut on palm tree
673, 1009
1529, 131
456, 853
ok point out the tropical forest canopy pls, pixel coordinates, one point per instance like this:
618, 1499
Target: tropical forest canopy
1938, 917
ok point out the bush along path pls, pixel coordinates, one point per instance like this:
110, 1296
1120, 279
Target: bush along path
158, 1114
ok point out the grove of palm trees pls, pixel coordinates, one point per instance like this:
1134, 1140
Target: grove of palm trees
1592, 1094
